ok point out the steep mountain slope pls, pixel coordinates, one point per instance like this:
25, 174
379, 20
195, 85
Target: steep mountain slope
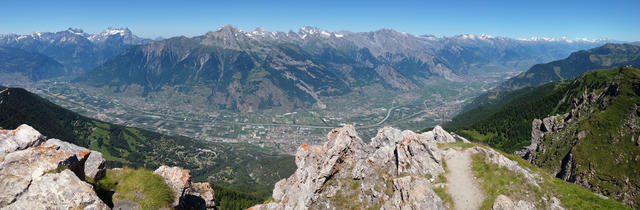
589, 134
606, 56
240, 166
248, 71
74, 48
405, 170
33, 66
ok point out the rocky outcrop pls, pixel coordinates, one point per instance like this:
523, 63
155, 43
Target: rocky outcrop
505, 203
36, 173
200, 196
187, 195
178, 180
539, 128
394, 171
62, 190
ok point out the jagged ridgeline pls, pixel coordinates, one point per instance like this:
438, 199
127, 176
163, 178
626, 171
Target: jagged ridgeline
249, 71
240, 166
585, 131
433, 170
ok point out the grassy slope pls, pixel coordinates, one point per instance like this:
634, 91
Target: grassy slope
496, 180
130, 184
606, 157
224, 164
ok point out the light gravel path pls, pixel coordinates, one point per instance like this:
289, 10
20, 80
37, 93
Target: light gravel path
461, 184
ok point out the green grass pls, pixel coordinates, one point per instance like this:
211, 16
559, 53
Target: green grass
129, 183
455, 145
442, 191
497, 180
446, 198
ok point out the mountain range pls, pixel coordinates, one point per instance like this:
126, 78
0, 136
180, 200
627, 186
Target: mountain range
16, 63
249, 71
76, 50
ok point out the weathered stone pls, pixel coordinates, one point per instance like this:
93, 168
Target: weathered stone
505, 203
390, 154
28, 173
413, 193
62, 190
200, 196
93, 162
21, 138
178, 180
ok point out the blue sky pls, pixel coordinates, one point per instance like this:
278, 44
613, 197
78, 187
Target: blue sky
615, 19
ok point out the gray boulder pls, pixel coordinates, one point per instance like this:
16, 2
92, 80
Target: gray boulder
187, 195
93, 162
503, 202
29, 173
62, 190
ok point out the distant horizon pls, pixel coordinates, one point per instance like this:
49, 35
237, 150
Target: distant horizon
591, 19
133, 31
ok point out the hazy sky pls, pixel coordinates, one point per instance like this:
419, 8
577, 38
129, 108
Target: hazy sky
615, 19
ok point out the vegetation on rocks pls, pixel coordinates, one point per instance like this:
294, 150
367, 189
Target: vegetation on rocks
138, 185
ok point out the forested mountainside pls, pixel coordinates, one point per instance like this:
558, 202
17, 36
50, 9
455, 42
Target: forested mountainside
584, 130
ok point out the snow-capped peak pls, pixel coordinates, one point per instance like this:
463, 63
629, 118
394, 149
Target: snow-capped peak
475, 37
561, 39
76, 31
123, 32
309, 31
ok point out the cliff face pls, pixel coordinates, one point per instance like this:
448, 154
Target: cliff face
596, 143
396, 170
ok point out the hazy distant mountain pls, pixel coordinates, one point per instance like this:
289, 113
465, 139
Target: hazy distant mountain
606, 56
247, 71
34, 66
74, 48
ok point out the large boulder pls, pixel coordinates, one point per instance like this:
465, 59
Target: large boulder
187, 195
178, 180
62, 190
200, 196
30, 171
93, 162
503, 202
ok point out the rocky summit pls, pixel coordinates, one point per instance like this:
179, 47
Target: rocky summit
41, 173
36, 173
400, 170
